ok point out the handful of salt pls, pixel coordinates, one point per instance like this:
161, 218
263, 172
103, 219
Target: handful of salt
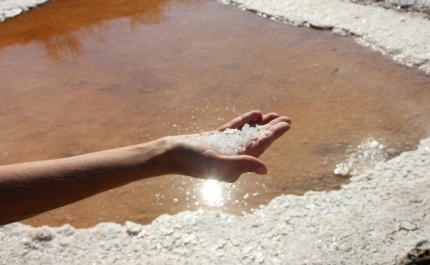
234, 141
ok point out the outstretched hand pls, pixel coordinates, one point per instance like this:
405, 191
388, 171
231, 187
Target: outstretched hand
197, 159
31, 188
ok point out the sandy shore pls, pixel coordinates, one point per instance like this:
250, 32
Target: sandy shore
377, 218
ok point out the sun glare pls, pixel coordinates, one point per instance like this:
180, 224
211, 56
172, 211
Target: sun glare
212, 193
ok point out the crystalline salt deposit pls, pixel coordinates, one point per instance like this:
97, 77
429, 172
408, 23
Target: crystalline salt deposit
367, 155
234, 141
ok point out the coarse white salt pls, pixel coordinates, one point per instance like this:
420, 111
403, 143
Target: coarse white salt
234, 141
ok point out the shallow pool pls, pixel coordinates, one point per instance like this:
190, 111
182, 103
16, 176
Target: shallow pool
81, 76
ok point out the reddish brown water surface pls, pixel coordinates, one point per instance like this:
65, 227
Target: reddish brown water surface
81, 76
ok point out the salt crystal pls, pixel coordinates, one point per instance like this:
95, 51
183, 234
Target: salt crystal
234, 141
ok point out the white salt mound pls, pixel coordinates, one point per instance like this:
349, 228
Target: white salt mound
234, 141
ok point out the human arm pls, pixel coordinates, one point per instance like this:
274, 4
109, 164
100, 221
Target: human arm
28, 189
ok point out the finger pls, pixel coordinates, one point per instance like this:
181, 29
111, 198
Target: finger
242, 119
266, 119
277, 120
274, 132
231, 167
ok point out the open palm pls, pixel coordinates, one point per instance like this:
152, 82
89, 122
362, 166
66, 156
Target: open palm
199, 160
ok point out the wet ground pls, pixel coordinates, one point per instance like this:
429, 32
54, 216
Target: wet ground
74, 81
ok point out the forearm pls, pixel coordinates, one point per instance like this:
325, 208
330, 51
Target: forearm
32, 188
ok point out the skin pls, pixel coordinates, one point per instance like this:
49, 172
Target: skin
29, 189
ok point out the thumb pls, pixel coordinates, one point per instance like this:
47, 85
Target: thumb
245, 163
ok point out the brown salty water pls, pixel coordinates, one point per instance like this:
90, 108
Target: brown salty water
81, 76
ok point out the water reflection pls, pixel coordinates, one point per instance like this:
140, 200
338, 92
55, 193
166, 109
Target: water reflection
63, 26
66, 45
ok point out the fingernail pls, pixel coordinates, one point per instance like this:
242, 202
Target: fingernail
260, 170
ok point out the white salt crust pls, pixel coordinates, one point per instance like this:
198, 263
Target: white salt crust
402, 36
368, 154
11, 8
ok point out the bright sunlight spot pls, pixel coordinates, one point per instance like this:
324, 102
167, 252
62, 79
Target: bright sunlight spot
212, 193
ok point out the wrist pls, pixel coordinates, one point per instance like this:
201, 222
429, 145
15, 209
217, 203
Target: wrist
177, 156
157, 157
